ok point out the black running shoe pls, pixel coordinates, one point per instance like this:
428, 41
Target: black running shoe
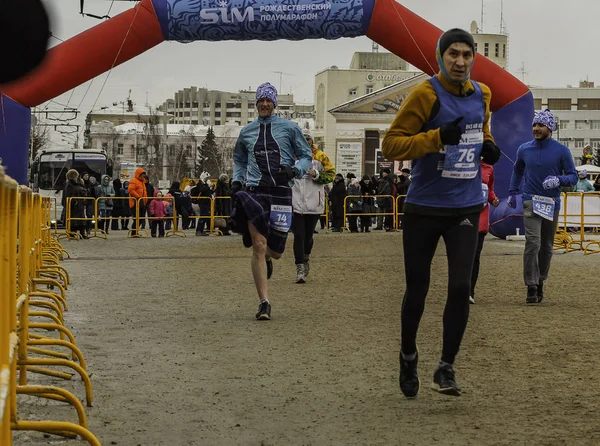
269, 267
444, 381
540, 292
264, 311
409, 379
531, 295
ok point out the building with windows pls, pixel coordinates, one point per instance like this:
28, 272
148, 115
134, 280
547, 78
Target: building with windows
361, 123
121, 113
334, 87
492, 46
577, 110
200, 106
167, 151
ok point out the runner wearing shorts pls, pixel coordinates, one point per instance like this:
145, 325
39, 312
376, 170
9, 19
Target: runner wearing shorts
264, 159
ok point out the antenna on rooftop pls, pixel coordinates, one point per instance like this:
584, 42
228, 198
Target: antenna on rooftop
482, 14
502, 23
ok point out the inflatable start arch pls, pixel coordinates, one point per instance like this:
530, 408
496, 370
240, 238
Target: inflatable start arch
129, 34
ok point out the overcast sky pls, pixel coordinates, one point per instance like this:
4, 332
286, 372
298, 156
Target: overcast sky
557, 42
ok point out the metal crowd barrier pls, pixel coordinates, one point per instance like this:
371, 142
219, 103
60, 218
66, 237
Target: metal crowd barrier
30, 261
370, 214
579, 216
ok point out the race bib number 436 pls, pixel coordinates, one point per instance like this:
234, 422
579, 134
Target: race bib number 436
543, 206
281, 217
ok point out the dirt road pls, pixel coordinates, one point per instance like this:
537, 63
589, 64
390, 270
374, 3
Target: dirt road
167, 327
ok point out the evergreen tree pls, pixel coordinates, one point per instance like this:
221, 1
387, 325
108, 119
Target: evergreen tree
208, 158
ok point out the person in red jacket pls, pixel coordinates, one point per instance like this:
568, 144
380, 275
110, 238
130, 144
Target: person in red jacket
487, 179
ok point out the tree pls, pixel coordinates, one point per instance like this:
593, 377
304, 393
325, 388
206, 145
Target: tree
208, 158
40, 138
151, 148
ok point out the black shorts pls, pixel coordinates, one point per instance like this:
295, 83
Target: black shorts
254, 205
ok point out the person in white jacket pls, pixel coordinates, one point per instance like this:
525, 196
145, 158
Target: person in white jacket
308, 201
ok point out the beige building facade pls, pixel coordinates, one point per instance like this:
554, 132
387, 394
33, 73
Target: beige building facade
335, 87
360, 125
492, 46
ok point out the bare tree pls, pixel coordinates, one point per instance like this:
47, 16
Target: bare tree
40, 138
150, 144
226, 145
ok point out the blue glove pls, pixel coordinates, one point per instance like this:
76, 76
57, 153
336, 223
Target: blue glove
512, 201
551, 182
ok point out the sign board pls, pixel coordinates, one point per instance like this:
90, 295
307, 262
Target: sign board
382, 163
50, 157
90, 156
349, 158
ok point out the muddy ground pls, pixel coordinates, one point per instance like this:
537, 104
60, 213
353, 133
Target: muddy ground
176, 357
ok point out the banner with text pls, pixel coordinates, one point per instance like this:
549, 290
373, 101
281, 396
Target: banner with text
216, 20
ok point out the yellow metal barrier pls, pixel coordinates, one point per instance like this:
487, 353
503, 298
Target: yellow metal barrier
370, 214
399, 211
30, 257
577, 214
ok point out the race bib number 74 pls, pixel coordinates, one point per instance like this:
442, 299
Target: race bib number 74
281, 217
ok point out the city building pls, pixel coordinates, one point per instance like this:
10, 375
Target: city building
492, 46
121, 113
577, 110
361, 123
167, 151
212, 107
334, 87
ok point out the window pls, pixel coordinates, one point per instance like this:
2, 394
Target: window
537, 104
205, 113
218, 114
195, 113
504, 51
233, 114
369, 89
559, 104
581, 125
217, 104
588, 104
105, 146
206, 104
195, 104
186, 114
119, 149
217, 122
563, 125
486, 49
353, 91
579, 144
595, 143
595, 125
194, 121
234, 105
497, 50
475, 46
187, 104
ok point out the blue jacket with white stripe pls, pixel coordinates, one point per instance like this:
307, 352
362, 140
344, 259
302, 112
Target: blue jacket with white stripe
265, 146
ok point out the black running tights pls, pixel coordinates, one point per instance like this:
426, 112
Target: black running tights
303, 226
420, 238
